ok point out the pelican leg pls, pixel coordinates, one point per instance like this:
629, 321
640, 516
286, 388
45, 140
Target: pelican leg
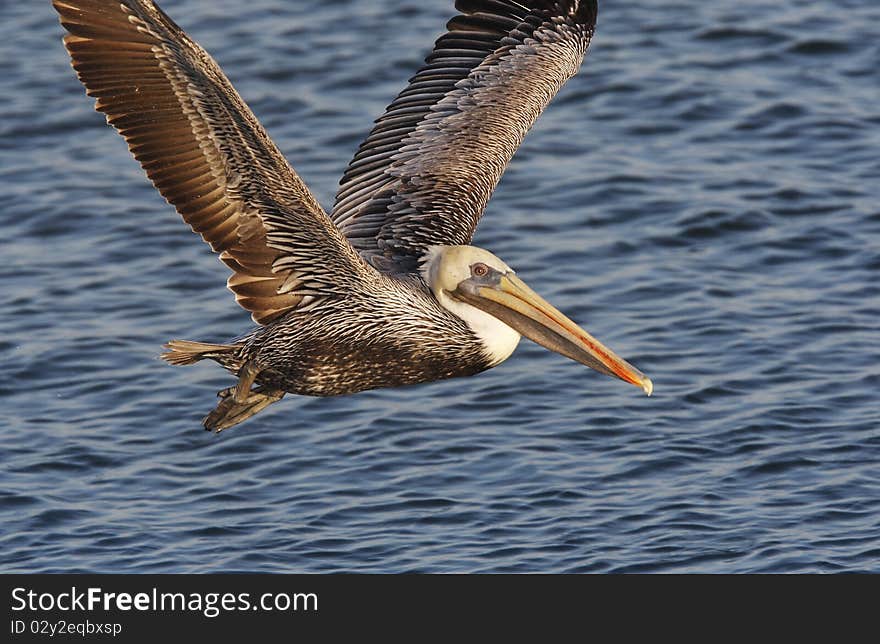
240, 402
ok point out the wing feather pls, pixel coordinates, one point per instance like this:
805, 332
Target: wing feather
206, 153
425, 172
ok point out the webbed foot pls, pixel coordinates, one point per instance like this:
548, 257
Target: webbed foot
240, 402
231, 412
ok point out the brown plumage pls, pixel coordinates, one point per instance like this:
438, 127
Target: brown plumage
202, 148
381, 292
427, 169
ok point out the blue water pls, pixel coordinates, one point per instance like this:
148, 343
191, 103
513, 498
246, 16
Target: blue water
703, 197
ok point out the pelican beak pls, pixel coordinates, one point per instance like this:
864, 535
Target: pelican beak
514, 303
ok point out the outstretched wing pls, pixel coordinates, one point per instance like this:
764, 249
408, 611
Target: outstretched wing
426, 171
206, 153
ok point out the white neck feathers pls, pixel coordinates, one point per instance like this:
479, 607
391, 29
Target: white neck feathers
499, 340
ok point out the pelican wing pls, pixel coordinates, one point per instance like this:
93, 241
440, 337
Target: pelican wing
206, 153
426, 171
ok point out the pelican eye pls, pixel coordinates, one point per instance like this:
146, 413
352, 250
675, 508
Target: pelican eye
479, 270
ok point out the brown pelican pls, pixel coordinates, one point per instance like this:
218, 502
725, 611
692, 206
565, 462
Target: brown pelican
385, 290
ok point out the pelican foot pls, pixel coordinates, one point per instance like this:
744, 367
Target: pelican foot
231, 412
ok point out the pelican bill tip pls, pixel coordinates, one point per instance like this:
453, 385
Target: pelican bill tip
648, 386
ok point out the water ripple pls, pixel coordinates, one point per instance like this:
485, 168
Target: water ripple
703, 198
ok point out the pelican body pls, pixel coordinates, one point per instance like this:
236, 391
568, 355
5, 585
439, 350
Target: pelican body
385, 289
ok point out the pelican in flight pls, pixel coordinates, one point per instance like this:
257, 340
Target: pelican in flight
384, 290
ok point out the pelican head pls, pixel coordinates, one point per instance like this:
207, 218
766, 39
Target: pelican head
486, 293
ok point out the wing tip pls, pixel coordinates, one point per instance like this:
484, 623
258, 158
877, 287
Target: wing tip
586, 12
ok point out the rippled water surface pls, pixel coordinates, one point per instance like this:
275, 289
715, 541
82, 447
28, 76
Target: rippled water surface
703, 197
